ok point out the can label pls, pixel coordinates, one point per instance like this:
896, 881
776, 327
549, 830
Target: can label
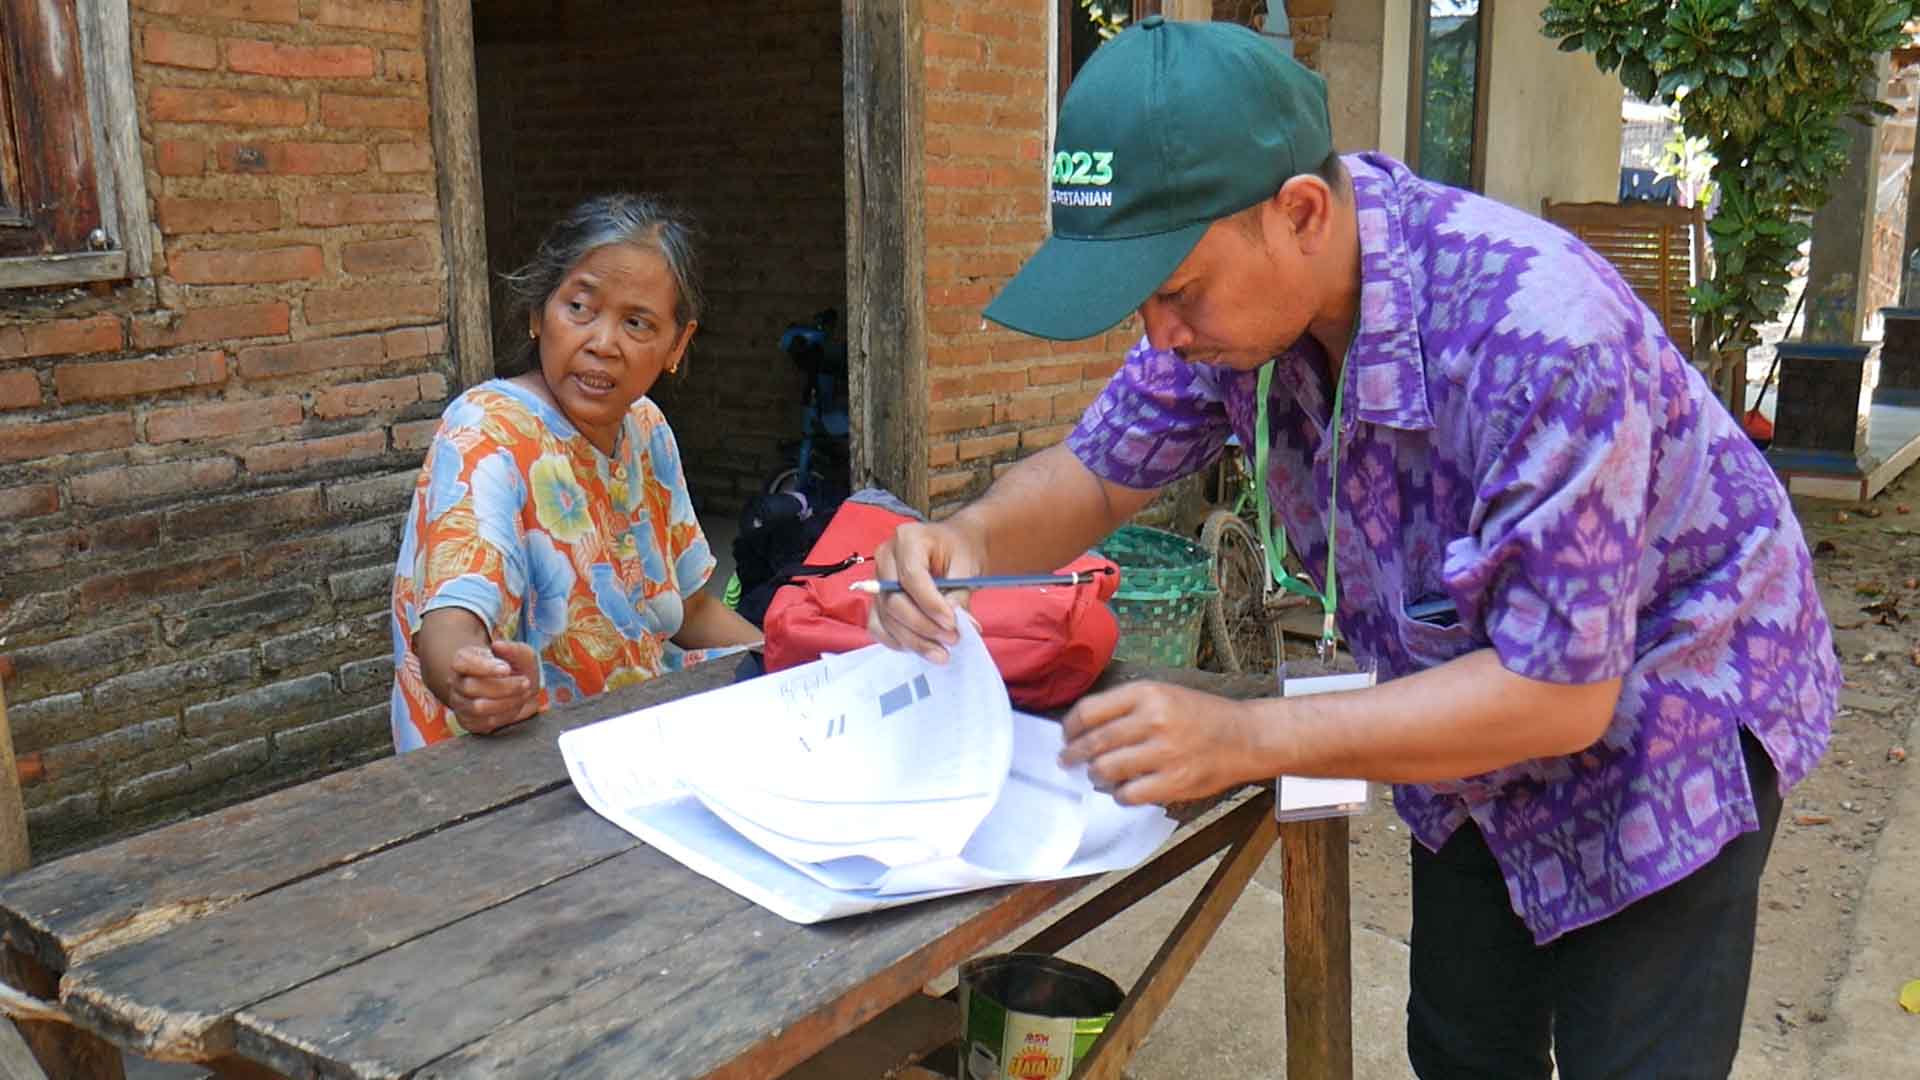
1004, 1045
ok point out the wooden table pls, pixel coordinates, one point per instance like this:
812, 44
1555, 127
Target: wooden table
461, 912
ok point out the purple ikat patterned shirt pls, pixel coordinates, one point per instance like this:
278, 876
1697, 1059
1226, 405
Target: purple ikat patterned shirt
1521, 437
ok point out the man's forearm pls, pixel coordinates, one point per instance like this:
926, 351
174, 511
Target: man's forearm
1463, 718
1045, 511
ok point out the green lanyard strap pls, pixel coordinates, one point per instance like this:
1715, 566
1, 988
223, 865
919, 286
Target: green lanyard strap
1276, 550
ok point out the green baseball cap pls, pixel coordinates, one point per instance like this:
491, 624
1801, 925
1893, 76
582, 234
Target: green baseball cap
1170, 127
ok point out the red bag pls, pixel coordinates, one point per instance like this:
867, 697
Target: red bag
1050, 643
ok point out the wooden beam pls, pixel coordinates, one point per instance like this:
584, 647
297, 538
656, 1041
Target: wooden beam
1155, 988
456, 155
63, 1050
15, 855
1319, 946
883, 94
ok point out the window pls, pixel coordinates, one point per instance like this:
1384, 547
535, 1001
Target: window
73, 202
1447, 103
1084, 24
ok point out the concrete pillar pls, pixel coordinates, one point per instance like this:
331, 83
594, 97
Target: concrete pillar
1842, 256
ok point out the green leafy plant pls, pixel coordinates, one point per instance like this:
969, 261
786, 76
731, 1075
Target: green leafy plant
1765, 83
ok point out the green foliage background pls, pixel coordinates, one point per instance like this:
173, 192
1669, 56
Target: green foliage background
1766, 83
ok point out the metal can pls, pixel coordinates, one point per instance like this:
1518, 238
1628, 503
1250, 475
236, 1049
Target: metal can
1030, 1016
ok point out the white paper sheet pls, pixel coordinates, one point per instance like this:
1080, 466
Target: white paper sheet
1307, 796
978, 795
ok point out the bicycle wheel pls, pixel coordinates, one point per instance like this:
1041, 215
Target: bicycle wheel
1240, 636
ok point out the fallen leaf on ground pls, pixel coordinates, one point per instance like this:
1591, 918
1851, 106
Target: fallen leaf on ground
1812, 819
1904, 508
1897, 754
1913, 583
1824, 547
1871, 511
1887, 611
1910, 996
1842, 516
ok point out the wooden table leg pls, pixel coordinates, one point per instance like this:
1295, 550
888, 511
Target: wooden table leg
65, 1052
1155, 987
1319, 944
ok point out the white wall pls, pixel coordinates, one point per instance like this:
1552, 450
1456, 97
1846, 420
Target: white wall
1553, 120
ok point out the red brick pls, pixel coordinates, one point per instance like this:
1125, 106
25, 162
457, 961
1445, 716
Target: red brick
358, 399
302, 357
356, 111
128, 482
406, 65
213, 324
378, 256
437, 338
299, 61
412, 435
300, 454
941, 484
988, 445
246, 266
218, 215
407, 343
1053, 374
1073, 402
1024, 409
951, 418
963, 47
147, 375
994, 25
294, 158
433, 387
364, 209
19, 390
30, 768
941, 455
61, 337
179, 157
174, 49
117, 588
405, 157
222, 419
388, 18
181, 105
29, 439
272, 11
254, 511
1040, 438
371, 302
17, 504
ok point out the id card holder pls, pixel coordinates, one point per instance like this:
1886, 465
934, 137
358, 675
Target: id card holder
1303, 798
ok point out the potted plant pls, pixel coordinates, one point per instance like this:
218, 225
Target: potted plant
1820, 422
1765, 83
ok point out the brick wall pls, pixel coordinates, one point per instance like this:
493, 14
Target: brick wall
732, 109
201, 470
996, 395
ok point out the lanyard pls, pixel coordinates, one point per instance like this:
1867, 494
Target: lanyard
1277, 549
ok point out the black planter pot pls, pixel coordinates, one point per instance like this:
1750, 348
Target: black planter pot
1820, 424
1899, 358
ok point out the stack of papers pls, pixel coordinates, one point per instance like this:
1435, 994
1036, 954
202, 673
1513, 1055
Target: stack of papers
860, 781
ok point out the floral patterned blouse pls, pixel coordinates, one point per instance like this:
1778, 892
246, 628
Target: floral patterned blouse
519, 519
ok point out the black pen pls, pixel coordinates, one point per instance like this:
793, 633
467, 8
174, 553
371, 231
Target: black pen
991, 581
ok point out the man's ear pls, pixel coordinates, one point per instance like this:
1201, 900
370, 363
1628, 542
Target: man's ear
1306, 203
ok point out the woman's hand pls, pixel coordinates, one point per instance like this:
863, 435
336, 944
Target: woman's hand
486, 684
921, 618
494, 686
1151, 742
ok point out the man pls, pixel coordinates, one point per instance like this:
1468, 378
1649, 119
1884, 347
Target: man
1603, 658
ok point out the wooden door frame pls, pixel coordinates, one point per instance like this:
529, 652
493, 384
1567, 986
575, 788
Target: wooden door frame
883, 95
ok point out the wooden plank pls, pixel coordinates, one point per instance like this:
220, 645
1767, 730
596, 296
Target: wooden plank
1155, 988
899, 1037
173, 996
37, 270
46, 77
15, 855
883, 92
106, 38
64, 1051
1319, 945
115, 895
456, 155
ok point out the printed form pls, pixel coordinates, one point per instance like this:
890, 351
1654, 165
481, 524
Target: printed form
857, 782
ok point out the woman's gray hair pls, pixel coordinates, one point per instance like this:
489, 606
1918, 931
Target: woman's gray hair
617, 218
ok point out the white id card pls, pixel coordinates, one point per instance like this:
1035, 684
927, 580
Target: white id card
1301, 798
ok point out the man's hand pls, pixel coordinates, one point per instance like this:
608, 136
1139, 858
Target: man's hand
1151, 742
920, 618
493, 687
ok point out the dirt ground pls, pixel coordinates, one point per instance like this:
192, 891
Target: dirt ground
1867, 563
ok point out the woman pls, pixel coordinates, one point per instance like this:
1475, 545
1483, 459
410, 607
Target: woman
551, 550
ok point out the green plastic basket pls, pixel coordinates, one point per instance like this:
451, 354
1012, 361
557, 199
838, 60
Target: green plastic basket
1165, 580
